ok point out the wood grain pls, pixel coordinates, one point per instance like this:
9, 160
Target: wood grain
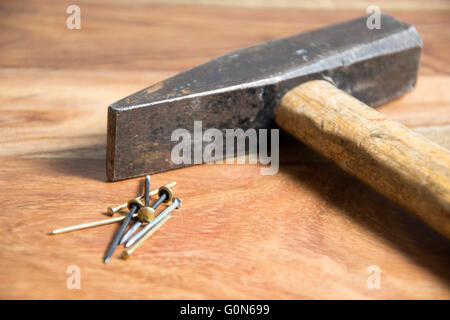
310, 231
405, 5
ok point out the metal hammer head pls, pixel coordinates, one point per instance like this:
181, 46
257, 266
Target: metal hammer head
241, 89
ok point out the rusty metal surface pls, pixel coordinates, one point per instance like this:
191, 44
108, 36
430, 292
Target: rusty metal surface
241, 89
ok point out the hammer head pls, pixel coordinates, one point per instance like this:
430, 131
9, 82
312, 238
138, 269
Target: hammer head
241, 89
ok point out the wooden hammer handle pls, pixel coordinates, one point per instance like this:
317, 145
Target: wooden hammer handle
397, 162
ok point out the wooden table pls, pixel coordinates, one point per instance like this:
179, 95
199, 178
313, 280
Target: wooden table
311, 231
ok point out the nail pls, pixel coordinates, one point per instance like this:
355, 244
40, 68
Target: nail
113, 210
103, 222
133, 205
89, 225
127, 253
176, 203
146, 214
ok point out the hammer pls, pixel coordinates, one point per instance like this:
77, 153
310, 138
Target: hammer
318, 87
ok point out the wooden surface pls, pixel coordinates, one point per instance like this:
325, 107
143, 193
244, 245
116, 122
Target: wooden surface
400, 164
311, 231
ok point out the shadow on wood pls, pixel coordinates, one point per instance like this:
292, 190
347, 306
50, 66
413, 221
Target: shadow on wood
400, 229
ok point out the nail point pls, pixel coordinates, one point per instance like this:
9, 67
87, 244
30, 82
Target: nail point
128, 244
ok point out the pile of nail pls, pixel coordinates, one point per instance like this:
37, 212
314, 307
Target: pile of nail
144, 216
